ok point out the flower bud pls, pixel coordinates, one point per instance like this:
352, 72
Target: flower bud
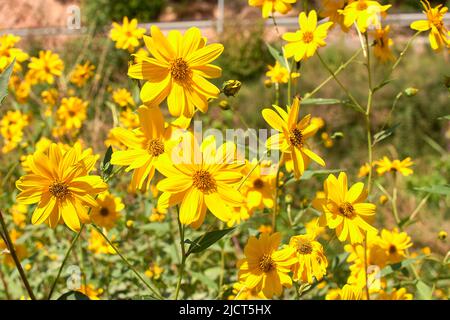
231, 87
411, 92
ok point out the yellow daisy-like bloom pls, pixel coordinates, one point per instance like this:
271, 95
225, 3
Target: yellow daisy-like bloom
8, 52
123, 97
395, 294
311, 261
348, 292
46, 67
98, 245
127, 35
330, 9
364, 14
19, 214
177, 71
50, 96
385, 165
344, 209
11, 129
145, 146
265, 228
270, 6
157, 215
90, 291
265, 268
154, 271
108, 210
241, 292
313, 227
61, 186
259, 187
394, 244
82, 73
304, 42
364, 170
238, 214
129, 119
382, 44
439, 35
293, 136
21, 250
203, 178
71, 115
279, 74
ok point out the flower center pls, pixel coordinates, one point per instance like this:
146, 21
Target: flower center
308, 37
104, 212
304, 247
204, 181
362, 5
266, 263
392, 249
347, 210
179, 69
296, 137
258, 184
59, 190
155, 147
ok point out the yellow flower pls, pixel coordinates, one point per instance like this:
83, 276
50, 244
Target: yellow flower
145, 146
385, 165
22, 91
382, 44
270, 6
204, 178
439, 35
279, 74
108, 210
46, 67
313, 227
19, 214
327, 141
90, 291
304, 42
154, 271
293, 136
442, 235
264, 228
98, 245
364, 14
177, 70
127, 35
241, 292
82, 73
71, 115
396, 294
238, 214
259, 186
157, 215
344, 209
21, 250
11, 129
348, 292
311, 260
61, 186
383, 199
394, 244
330, 9
364, 170
8, 52
265, 268
50, 96
318, 122
123, 98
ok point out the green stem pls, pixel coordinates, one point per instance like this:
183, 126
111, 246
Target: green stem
394, 201
367, 115
275, 199
349, 95
13, 253
132, 268
183, 257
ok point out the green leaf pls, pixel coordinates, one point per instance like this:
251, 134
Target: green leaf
383, 134
437, 189
320, 101
277, 55
424, 291
381, 85
447, 117
4, 80
73, 295
398, 266
107, 167
206, 240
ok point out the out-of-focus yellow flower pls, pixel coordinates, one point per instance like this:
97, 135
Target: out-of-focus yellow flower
442, 235
279, 74
348, 292
269, 7
46, 67
22, 91
19, 214
241, 292
382, 44
439, 35
383, 199
265, 268
108, 210
238, 214
330, 9
364, 170
178, 70
385, 165
154, 271
395, 294
21, 250
303, 43
98, 245
394, 244
364, 14
8, 52
82, 73
90, 291
11, 129
265, 228
344, 209
127, 35
50, 96
318, 122
158, 215
129, 119
123, 97
426, 251
71, 115
327, 141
